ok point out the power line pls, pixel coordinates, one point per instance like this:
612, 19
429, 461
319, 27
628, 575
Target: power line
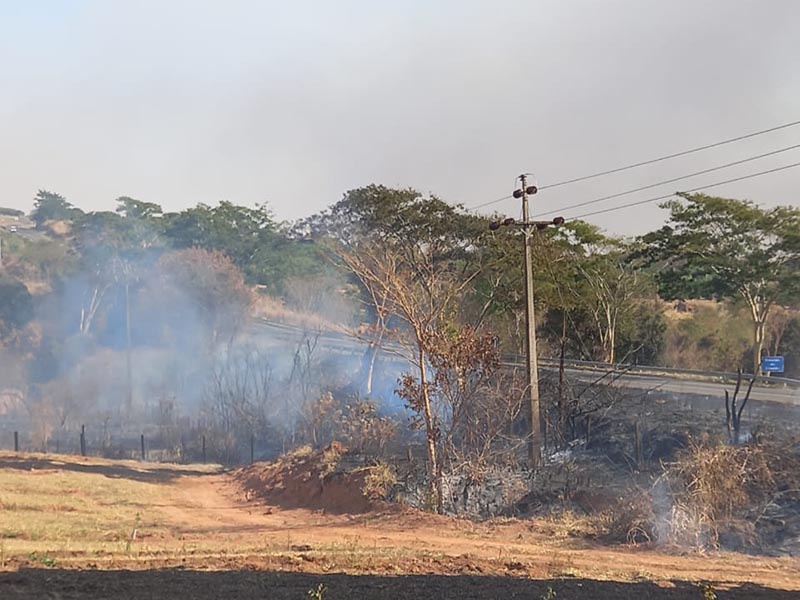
666, 181
697, 189
490, 202
647, 162
669, 156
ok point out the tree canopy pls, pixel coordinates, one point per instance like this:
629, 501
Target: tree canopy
721, 247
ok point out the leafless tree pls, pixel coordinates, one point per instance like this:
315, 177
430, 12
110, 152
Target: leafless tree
733, 411
241, 396
413, 283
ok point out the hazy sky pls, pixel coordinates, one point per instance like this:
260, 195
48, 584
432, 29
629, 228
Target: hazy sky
292, 103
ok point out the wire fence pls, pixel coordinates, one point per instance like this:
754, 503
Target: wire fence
190, 444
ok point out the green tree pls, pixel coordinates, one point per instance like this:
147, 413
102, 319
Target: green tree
131, 208
234, 230
16, 305
264, 252
49, 206
721, 247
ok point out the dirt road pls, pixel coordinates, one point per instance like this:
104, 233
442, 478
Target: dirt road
200, 538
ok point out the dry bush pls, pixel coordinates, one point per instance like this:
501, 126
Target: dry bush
364, 430
330, 458
353, 421
380, 479
632, 520
722, 479
712, 495
716, 489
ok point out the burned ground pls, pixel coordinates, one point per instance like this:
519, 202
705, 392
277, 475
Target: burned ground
252, 584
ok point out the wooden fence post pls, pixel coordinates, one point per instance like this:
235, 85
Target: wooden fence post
637, 444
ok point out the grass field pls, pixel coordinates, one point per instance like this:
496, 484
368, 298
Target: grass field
91, 528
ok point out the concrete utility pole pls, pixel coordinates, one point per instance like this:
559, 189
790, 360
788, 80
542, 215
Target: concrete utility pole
528, 229
535, 446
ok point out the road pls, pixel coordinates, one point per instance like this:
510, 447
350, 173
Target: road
685, 383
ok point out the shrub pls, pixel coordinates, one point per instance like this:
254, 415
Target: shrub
380, 479
712, 495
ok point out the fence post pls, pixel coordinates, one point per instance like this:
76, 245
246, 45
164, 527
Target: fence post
16, 441
637, 444
204, 449
144, 456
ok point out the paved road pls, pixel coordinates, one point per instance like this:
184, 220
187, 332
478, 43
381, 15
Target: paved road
679, 384
684, 386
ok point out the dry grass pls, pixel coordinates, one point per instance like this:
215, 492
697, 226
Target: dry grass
65, 511
272, 309
711, 493
632, 521
380, 479
50, 511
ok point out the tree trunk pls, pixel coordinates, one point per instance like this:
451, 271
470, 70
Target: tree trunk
562, 401
758, 346
430, 432
612, 342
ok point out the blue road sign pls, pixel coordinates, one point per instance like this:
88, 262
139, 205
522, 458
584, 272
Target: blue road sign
772, 364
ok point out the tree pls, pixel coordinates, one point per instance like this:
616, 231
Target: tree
609, 290
595, 294
416, 259
49, 206
141, 224
734, 248
100, 239
130, 208
237, 231
209, 284
249, 236
16, 306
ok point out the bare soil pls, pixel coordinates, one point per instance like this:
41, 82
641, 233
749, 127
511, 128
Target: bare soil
201, 538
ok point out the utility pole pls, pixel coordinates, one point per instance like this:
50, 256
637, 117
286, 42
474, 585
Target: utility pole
535, 446
532, 363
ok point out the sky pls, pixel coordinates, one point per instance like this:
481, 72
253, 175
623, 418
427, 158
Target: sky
293, 103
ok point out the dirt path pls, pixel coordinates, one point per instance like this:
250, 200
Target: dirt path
132, 530
209, 507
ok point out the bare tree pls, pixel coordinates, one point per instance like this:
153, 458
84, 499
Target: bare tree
733, 411
609, 293
776, 327
415, 284
241, 399
214, 286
